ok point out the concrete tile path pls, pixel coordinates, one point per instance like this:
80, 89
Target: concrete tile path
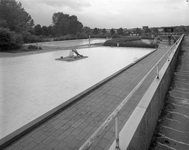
69, 129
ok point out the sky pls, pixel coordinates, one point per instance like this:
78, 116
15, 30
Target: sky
112, 13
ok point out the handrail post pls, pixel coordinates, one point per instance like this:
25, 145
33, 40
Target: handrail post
117, 133
168, 56
157, 71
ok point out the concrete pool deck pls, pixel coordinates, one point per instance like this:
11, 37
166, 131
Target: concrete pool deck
73, 125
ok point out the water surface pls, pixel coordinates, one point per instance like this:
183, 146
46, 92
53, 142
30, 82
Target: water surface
68, 43
32, 85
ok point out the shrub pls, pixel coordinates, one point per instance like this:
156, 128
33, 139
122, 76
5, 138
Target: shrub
114, 42
33, 47
81, 35
129, 42
146, 37
97, 36
9, 40
30, 38
138, 44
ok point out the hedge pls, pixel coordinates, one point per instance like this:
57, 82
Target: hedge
130, 42
138, 44
113, 42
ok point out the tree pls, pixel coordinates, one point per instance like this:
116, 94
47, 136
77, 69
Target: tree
9, 40
120, 31
45, 30
112, 31
86, 30
3, 23
79, 26
147, 30
104, 31
74, 25
183, 28
38, 30
187, 29
95, 31
13, 15
51, 30
155, 30
138, 31
60, 23
65, 24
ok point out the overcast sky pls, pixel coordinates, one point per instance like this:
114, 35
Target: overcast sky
112, 13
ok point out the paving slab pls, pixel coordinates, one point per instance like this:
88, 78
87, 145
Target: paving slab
72, 126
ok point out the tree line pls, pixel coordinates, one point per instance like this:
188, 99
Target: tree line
18, 27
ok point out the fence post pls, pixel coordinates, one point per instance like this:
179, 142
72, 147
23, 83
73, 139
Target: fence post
168, 56
117, 133
157, 71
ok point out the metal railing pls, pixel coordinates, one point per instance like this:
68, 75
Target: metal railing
114, 114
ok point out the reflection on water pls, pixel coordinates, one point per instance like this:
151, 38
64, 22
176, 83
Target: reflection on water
147, 41
33, 84
69, 43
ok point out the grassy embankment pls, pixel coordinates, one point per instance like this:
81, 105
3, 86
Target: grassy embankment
133, 41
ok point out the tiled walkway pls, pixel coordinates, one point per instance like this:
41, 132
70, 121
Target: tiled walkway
172, 131
73, 126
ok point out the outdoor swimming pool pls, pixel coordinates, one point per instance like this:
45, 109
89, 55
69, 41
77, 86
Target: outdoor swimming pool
34, 84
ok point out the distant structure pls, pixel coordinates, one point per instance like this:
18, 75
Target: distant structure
169, 29
145, 29
108, 30
160, 30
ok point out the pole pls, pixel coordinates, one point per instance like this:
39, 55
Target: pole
157, 71
117, 134
168, 56
89, 40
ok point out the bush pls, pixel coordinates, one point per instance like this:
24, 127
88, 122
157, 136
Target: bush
97, 36
146, 37
138, 44
66, 37
9, 40
33, 47
114, 42
30, 38
130, 41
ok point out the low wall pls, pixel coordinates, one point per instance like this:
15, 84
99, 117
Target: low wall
138, 130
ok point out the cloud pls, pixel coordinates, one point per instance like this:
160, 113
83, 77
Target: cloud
76, 5
42, 10
111, 13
